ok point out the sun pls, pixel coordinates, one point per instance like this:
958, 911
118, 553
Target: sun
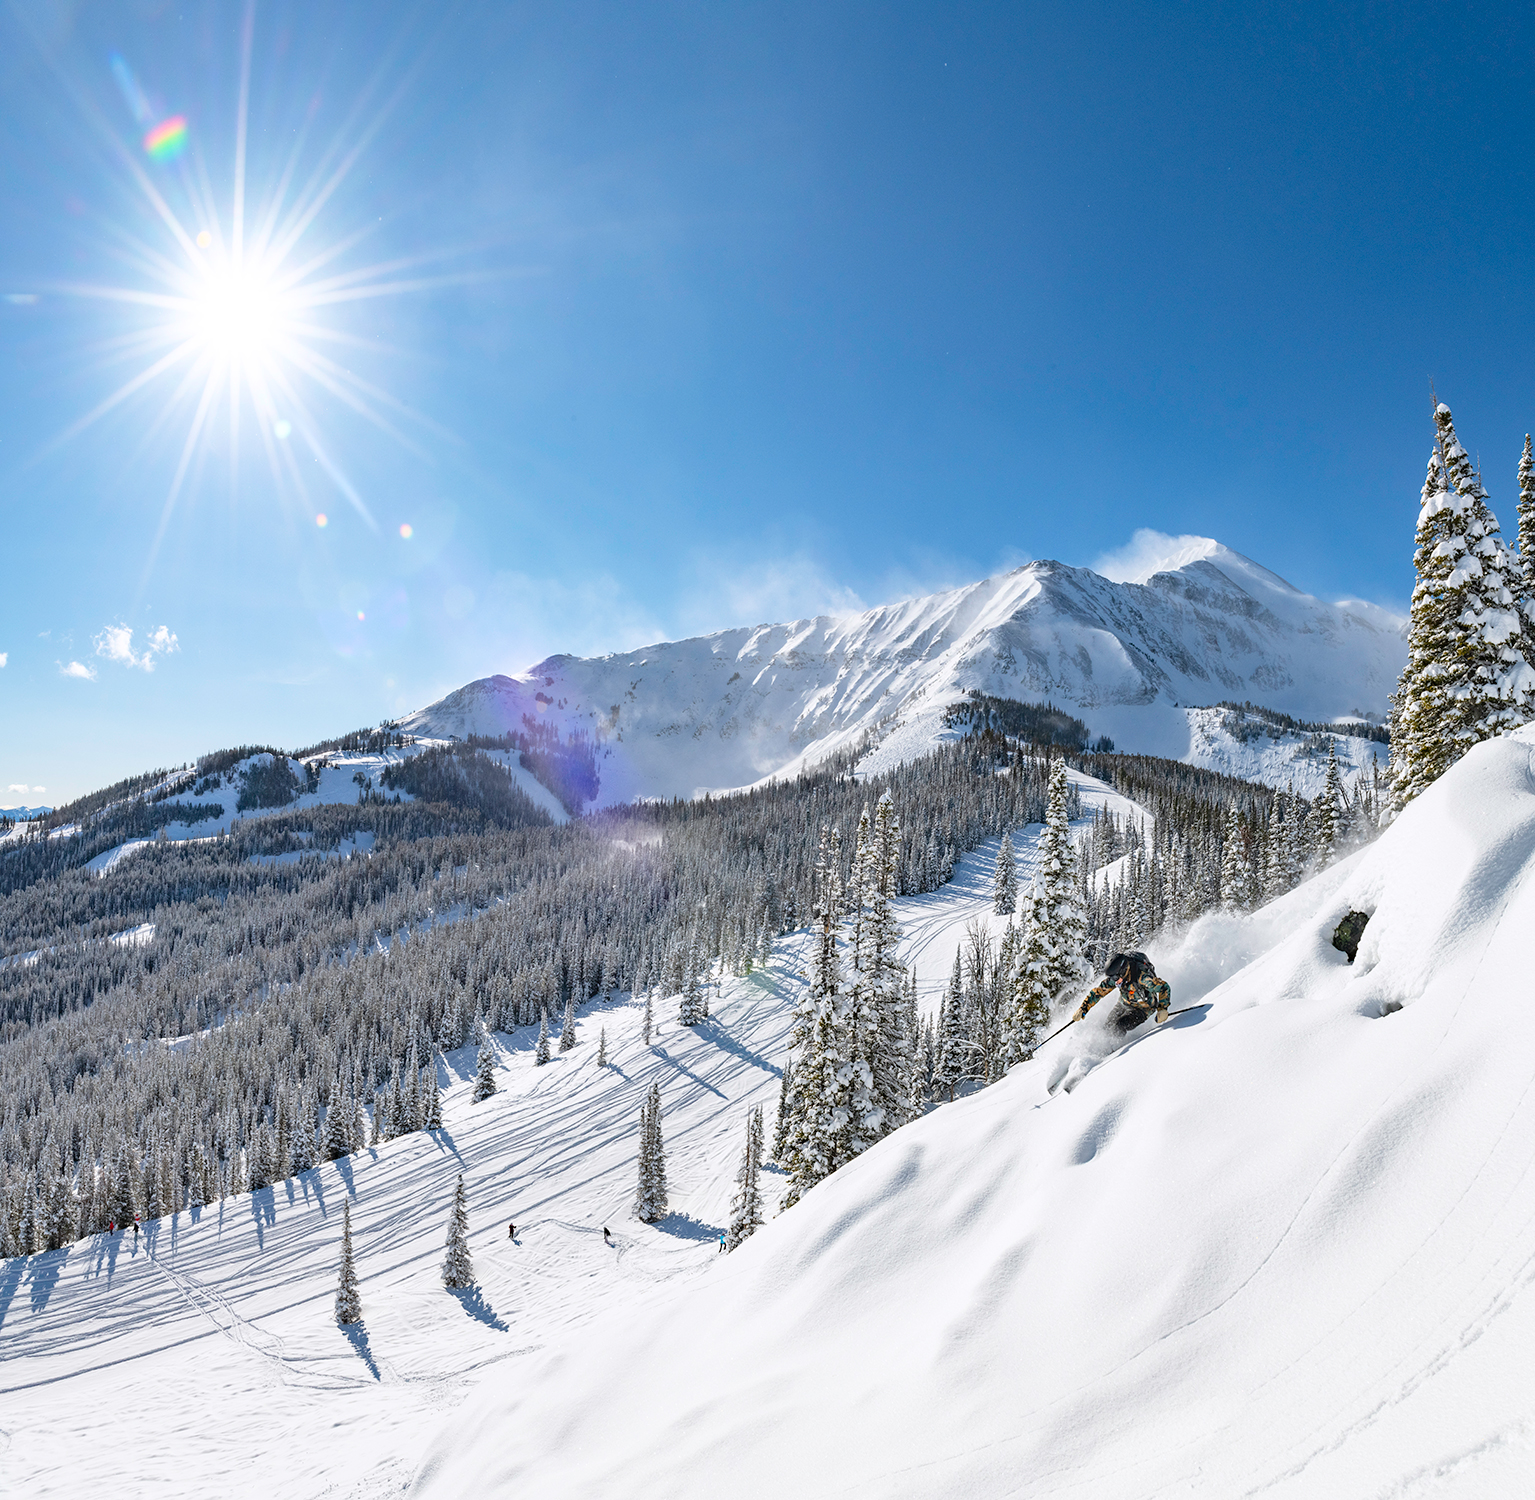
232, 326
237, 316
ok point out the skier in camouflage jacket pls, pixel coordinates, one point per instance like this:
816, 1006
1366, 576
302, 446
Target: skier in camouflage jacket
1139, 987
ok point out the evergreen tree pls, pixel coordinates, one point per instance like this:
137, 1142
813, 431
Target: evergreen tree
338, 1131
1328, 810
432, 1114
602, 1048
1004, 880
568, 1026
1467, 678
648, 1022
348, 1298
650, 1201
1235, 886
953, 1039
457, 1267
485, 1074
783, 1120
746, 1207
1527, 523
541, 1051
694, 1007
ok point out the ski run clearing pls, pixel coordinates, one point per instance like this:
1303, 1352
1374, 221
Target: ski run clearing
1279, 1247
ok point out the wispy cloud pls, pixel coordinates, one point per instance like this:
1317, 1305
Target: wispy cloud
21, 787
5, 656
78, 669
116, 644
1149, 552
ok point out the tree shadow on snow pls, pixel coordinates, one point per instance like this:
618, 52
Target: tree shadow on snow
43, 1273
727, 1043
686, 1071
686, 1227
10, 1279
442, 1136
344, 1166
356, 1335
473, 1302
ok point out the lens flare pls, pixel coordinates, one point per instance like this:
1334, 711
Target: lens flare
361, 615
168, 139
322, 520
406, 531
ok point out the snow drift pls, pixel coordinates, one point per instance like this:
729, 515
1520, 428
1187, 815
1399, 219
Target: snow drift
730, 709
1281, 1246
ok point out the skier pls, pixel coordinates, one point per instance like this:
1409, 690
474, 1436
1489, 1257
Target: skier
135, 1230
511, 1231
607, 1239
1139, 988
721, 1249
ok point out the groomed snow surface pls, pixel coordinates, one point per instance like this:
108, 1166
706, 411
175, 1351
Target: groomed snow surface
1280, 1246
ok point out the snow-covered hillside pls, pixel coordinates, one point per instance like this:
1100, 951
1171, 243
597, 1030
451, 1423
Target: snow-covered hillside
729, 709
1282, 1246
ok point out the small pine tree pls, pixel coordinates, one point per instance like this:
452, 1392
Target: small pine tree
457, 1267
602, 1048
568, 1026
785, 1114
953, 1040
432, 1096
694, 1006
746, 1209
650, 1202
1235, 890
1004, 880
348, 1298
485, 1076
649, 1020
541, 1051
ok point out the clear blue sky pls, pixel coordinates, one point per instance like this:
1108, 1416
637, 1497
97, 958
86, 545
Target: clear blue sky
715, 314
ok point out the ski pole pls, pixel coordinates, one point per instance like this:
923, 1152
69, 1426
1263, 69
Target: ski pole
1058, 1030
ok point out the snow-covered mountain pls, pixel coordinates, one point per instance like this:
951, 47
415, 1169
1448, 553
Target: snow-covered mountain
729, 709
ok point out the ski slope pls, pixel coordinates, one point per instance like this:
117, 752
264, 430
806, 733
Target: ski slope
1281, 1247
166, 1369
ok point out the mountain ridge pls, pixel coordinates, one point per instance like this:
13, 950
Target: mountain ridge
736, 706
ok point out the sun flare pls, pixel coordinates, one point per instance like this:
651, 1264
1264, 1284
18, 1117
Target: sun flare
238, 315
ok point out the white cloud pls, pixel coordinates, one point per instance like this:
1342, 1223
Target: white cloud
78, 669
21, 787
5, 656
116, 644
1149, 552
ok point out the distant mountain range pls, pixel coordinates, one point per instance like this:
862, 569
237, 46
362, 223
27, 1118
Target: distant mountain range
1131, 659
21, 814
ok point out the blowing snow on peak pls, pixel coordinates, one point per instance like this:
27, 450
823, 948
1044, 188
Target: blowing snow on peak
1132, 658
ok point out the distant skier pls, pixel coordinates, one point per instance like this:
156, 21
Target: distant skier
721, 1249
511, 1231
135, 1229
607, 1239
1139, 989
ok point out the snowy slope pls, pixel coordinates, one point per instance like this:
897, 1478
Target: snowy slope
165, 1371
729, 709
1283, 1246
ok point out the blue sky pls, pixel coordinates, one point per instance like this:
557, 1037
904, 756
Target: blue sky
700, 315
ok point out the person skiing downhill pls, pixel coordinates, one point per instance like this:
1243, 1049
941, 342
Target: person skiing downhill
1139, 988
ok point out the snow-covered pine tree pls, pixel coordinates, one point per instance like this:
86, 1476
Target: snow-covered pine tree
884, 1028
832, 1084
1329, 810
782, 1120
1467, 678
1527, 523
602, 1047
1235, 887
568, 1026
457, 1267
953, 1039
338, 1131
694, 1007
650, 1201
432, 1097
649, 1021
541, 1051
1004, 879
485, 1072
348, 1298
746, 1207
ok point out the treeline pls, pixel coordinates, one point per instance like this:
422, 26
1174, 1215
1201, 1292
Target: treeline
292, 989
